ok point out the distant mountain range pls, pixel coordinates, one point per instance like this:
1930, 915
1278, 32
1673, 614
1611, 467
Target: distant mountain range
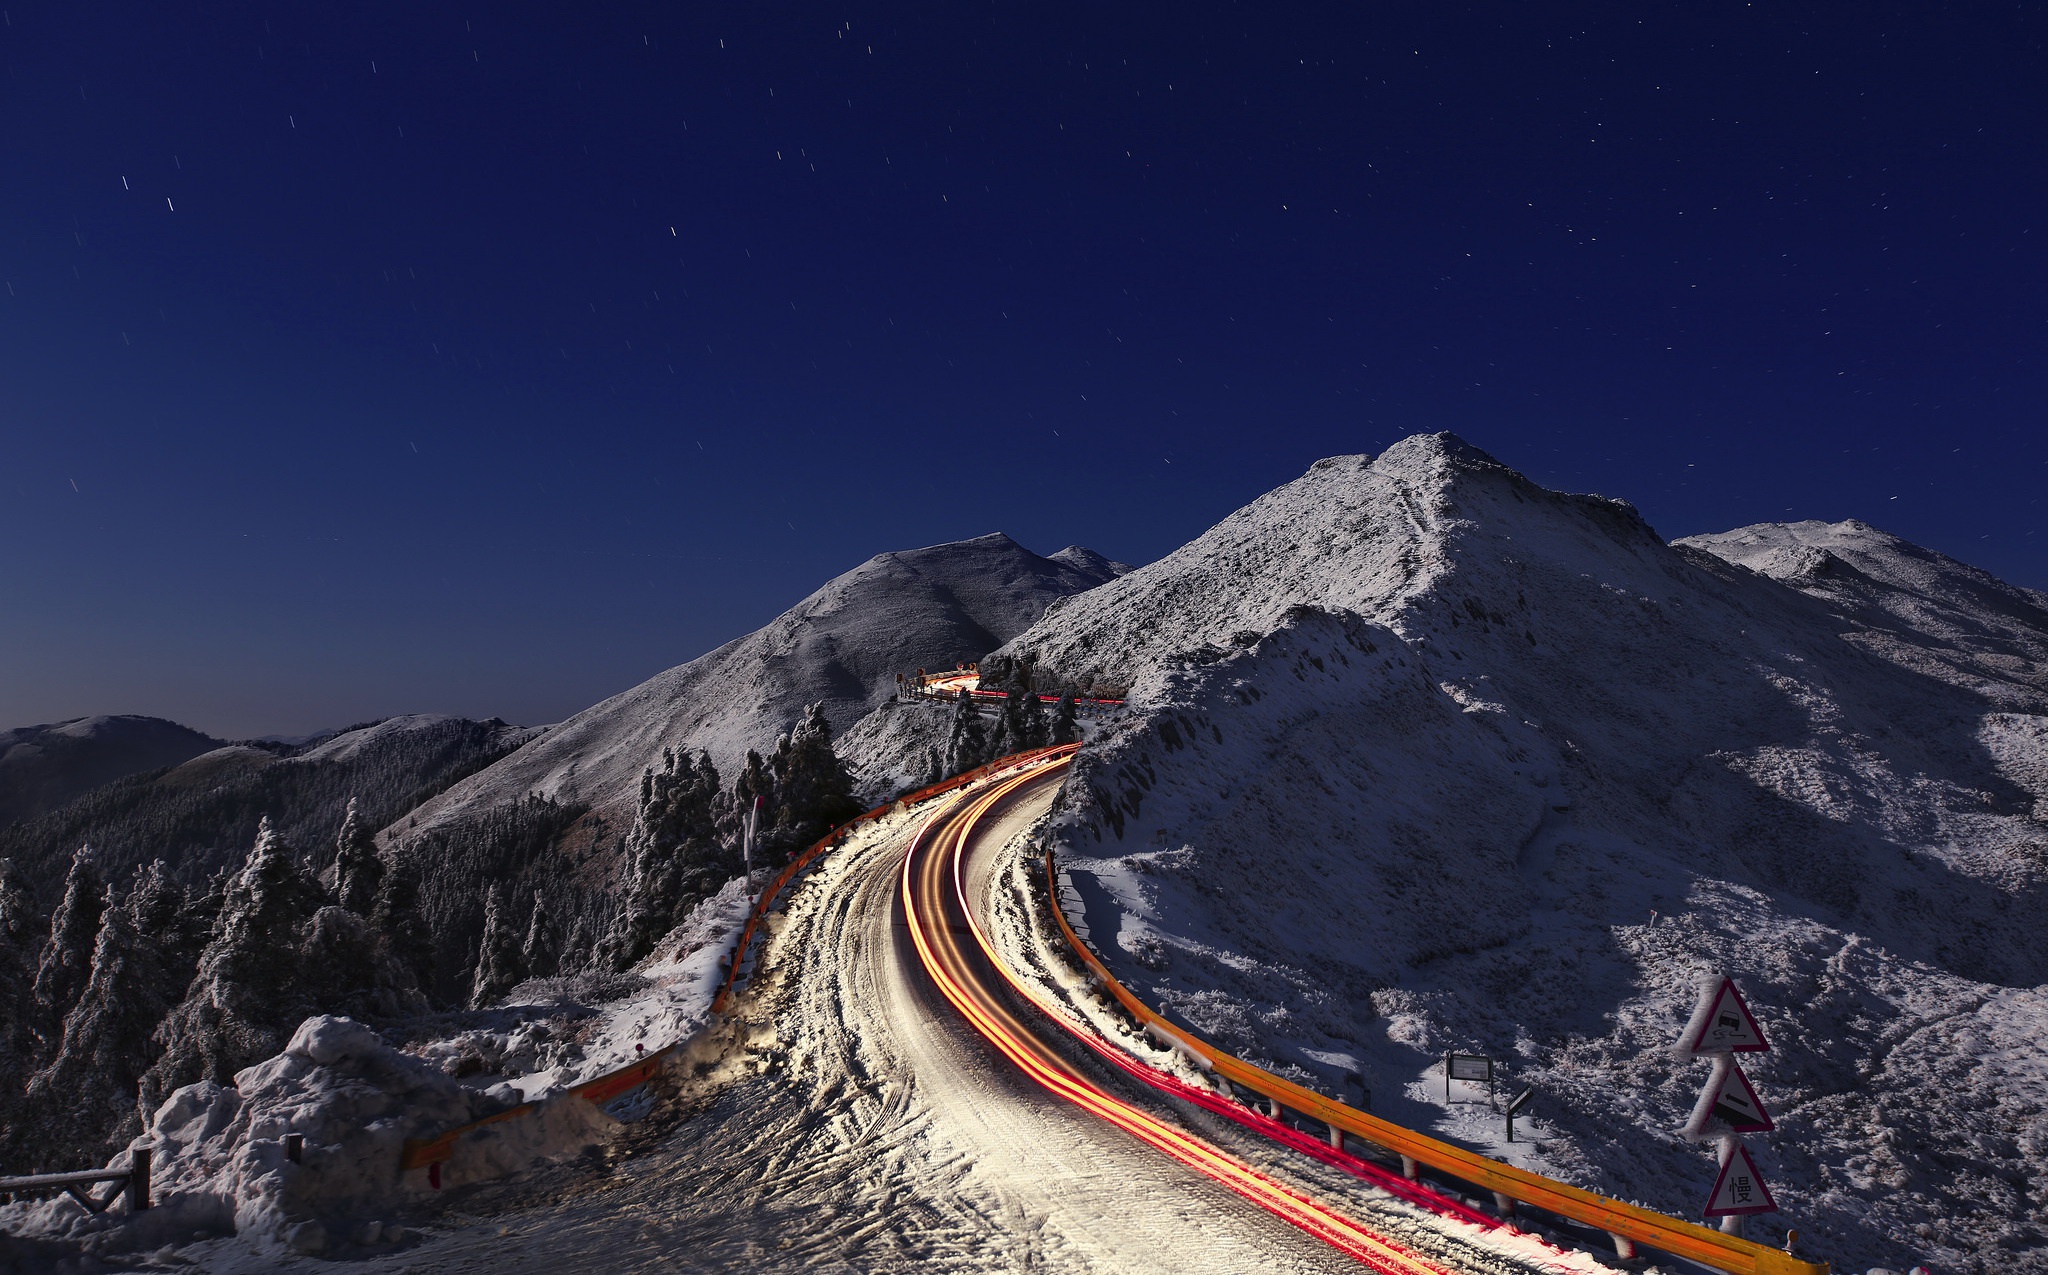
42, 767
195, 802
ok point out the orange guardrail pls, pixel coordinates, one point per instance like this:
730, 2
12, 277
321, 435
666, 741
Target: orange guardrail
418, 1153
1628, 1221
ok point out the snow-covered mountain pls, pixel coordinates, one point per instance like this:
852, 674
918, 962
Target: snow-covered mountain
42, 767
201, 814
844, 645
1421, 755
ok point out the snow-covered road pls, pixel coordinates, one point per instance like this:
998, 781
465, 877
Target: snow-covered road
869, 1128
857, 1122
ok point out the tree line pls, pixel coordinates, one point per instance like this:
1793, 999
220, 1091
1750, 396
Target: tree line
135, 984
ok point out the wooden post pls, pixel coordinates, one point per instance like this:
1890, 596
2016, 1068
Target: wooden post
295, 1147
138, 1179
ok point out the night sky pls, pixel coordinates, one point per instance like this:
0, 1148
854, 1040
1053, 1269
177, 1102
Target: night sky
374, 358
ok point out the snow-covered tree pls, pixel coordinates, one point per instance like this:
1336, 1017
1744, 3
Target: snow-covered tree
1033, 728
576, 951
677, 856
1002, 739
249, 990
967, 746
814, 794
358, 871
499, 968
83, 1101
541, 951
398, 922
65, 964
19, 926
1066, 725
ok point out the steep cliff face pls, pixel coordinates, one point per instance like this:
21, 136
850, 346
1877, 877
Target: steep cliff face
1421, 755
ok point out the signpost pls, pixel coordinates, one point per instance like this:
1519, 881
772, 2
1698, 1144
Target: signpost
1474, 1068
1722, 1027
1515, 1104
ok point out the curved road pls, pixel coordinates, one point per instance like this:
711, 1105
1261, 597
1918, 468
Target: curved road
854, 1120
961, 960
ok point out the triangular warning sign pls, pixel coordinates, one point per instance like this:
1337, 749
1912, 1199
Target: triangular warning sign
1723, 1024
1728, 1102
1740, 1189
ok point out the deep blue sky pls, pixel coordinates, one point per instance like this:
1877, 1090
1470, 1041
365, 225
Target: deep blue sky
371, 358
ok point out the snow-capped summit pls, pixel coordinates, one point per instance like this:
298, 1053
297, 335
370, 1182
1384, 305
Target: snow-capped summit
844, 645
1912, 605
1421, 755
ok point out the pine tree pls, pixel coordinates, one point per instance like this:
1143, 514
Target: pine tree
968, 746
248, 992
1031, 728
19, 923
541, 952
1066, 727
402, 932
576, 954
65, 965
499, 968
358, 871
1002, 741
814, 794
84, 1100
676, 855
757, 779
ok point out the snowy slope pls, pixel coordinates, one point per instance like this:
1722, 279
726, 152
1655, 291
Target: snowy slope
844, 645
1421, 755
42, 767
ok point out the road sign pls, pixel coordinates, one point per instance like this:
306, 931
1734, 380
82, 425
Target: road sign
1728, 1100
1740, 1190
1723, 1024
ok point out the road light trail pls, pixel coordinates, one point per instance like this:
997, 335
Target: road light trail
935, 908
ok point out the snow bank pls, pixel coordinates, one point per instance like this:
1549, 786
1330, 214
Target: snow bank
220, 1154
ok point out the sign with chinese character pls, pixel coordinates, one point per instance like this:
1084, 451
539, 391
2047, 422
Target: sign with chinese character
1740, 1189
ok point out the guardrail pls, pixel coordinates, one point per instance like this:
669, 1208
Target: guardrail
948, 683
431, 1153
1628, 1224
130, 1185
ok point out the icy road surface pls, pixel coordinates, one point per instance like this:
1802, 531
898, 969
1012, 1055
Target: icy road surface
864, 1126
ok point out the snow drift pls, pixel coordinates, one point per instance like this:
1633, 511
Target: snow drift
1421, 755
